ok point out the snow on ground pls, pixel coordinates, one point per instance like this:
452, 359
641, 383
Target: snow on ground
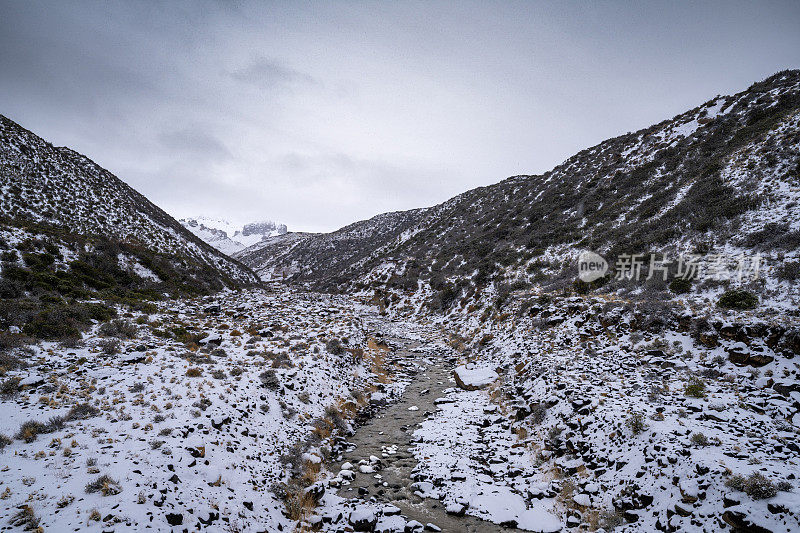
635, 416
592, 413
468, 457
470, 376
190, 430
643, 425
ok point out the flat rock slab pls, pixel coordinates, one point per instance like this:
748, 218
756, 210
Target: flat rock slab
470, 377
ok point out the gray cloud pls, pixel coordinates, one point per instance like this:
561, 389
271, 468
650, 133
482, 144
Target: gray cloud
319, 114
269, 73
196, 142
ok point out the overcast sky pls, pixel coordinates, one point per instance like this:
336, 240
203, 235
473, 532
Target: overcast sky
320, 114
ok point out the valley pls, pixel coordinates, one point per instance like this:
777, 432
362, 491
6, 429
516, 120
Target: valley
271, 410
446, 368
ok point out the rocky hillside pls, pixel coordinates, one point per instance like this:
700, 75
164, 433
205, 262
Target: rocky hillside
177, 419
55, 186
720, 179
71, 232
229, 238
323, 256
266, 256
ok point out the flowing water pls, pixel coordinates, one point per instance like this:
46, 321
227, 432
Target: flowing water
395, 425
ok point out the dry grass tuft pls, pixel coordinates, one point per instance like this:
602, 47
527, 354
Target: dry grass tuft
105, 485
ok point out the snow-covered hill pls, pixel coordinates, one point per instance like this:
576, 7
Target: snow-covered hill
266, 255
309, 256
57, 188
720, 181
508, 394
178, 421
230, 238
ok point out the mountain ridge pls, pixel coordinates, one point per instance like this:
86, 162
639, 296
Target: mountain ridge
672, 187
229, 238
59, 186
76, 242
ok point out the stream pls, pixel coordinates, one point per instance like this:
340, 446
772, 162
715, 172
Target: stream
393, 427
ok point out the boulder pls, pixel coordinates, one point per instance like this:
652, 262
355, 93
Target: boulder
738, 354
741, 523
174, 519
708, 338
791, 341
457, 509
363, 519
758, 360
470, 377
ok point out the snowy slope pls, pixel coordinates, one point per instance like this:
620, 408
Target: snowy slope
723, 178
191, 437
311, 256
265, 256
230, 238
58, 188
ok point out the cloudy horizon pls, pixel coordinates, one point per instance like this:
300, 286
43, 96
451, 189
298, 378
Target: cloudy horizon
323, 114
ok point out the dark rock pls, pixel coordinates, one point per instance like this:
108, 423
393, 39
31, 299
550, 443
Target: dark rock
133, 359
709, 339
785, 388
682, 511
792, 341
738, 354
775, 508
758, 360
727, 501
212, 517
741, 524
457, 509
363, 521
174, 519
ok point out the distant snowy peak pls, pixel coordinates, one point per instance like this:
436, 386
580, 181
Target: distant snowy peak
230, 238
266, 228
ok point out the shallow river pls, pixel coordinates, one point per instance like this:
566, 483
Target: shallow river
395, 425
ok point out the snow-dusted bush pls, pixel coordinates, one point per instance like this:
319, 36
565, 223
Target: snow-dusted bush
119, 328
26, 519
10, 386
636, 422
756, 485
334, 346
109, 346
696, 388
269, 379
104, 485
82, 411
29, 430
738, 299
538, 413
